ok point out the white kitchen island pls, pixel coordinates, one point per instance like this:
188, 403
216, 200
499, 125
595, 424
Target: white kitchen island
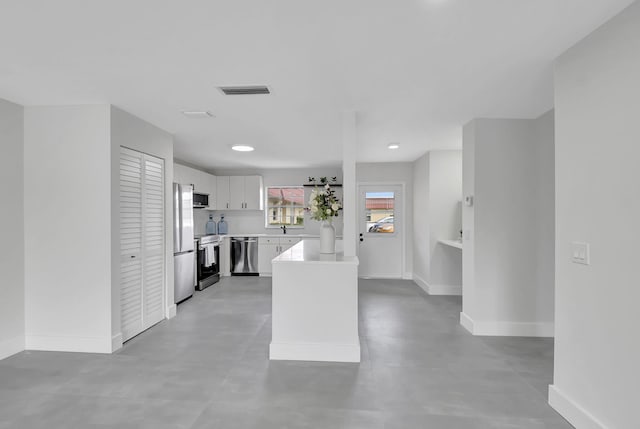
315, 305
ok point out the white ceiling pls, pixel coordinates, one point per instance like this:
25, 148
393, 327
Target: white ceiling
414, 70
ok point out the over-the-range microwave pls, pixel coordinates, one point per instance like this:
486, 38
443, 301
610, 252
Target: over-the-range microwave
200, 201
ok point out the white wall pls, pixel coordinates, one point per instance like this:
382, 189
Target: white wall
468, 223
11, 229
253, 221
596, 374
134, 133
437, 194
349, 191
445, 220
67, 212
512, 289
421, 235
394, 172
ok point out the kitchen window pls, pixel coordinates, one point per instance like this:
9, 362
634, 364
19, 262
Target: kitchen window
285, 207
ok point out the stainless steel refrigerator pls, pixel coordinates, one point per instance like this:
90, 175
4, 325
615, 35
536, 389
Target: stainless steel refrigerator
183, 246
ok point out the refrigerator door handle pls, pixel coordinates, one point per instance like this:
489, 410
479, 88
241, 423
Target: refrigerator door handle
180, 219
177, 213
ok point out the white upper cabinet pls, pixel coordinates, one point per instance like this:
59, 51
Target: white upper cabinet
222, 192
181, 174
213, 194
236, 192
225, 192
253, 197
203, 182
240, 193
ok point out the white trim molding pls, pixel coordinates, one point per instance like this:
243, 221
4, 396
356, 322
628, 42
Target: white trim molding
466, 321
572, 412
171, 311
315, 352
506, 328
11, 346
421, 282
116, 342
68, 344
437, 289
445, 290
380, 277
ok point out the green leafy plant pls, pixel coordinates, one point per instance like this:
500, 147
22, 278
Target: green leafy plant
323, 203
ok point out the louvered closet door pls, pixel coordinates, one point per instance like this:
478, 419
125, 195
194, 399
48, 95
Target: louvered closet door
131, 183
153, 241
141, 241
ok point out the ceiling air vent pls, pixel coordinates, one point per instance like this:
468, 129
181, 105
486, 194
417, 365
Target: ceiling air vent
244, 90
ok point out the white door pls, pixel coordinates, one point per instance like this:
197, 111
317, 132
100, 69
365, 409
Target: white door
153, 241
381, 229
142, 246
130, 243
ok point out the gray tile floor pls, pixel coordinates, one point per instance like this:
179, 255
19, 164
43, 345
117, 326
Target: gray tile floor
208, 368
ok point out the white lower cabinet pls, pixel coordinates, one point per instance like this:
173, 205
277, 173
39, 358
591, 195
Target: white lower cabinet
142, 248
269, 248
266, 252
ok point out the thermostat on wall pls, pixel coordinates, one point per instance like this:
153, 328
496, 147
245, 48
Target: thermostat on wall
468, 200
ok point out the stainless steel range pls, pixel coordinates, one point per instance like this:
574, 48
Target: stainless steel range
208, 262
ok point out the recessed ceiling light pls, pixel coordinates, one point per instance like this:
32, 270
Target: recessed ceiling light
242, 148
394, 146
197, 114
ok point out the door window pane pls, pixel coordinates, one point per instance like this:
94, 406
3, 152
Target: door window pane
379, 210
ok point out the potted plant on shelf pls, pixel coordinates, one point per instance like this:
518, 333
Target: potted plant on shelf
323, 207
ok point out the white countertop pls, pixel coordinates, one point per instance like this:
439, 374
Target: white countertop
452, 243
308, 251
274, 235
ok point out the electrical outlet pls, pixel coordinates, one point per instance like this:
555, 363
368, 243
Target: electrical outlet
580, 253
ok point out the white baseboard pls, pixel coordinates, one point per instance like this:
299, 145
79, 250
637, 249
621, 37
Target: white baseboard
265, 274
572, 412
315, 352
407, 276
436, 289
421, 282
171, 311
445, 290
507, 329
380, 277
116, 342
466, 321
68, 344
11, 346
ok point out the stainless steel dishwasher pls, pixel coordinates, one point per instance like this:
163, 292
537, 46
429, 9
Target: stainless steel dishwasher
244, 256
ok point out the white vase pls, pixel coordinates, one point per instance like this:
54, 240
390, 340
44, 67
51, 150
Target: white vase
327, 238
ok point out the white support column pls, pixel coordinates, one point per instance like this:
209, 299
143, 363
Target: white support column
350, 201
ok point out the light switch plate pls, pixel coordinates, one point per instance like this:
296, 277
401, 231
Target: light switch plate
580, 253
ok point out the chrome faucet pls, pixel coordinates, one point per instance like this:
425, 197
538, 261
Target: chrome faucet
284, 229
